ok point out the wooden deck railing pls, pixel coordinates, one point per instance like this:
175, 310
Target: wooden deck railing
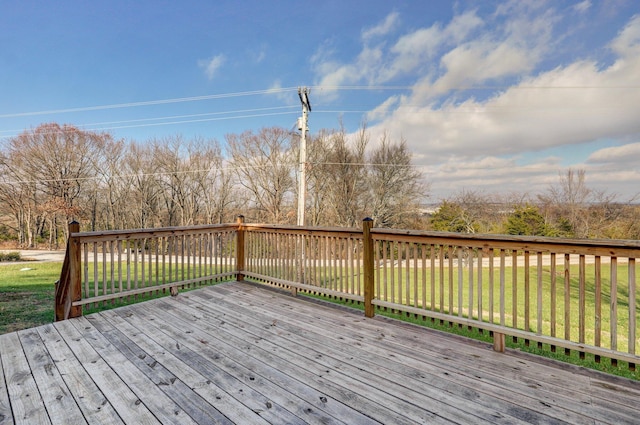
104, 266
574, 294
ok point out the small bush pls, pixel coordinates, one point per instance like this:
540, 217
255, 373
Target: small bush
10, 256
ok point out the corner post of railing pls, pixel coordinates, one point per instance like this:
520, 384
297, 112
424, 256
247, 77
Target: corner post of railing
367, 224
75, 270
240, 248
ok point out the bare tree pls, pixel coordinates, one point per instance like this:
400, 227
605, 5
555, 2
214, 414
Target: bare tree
60, 160
145, 194
346, 177
395, 186
264, 165
319, 179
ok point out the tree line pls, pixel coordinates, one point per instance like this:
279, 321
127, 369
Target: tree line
54, 174
568, 208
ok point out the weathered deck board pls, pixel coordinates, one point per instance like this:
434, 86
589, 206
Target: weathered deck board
571, 396
239, 353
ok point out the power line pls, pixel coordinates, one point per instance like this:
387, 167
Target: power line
174, 122
151, 102
105, 123
289, 89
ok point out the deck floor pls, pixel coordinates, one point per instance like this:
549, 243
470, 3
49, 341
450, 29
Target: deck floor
239, 353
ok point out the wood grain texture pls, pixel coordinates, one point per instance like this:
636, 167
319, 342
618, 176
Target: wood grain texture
241, 353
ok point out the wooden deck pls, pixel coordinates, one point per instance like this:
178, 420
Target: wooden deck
239, 353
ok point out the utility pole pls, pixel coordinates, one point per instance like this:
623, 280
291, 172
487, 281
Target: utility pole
303, 122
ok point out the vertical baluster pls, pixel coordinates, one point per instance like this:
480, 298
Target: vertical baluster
527, 293
441, 267
502, 287
119, 247
632, 309
614, 307
567, 300
514, 291
96, 286
86, 270
407, 274
480, 283
460, 307
105, 285
598, 305
582, 301
135, 265
539, 308
393, 254
385, 262
470, 265
143, 250
432, 260
450, 250
491, 285
423, 274
112, 268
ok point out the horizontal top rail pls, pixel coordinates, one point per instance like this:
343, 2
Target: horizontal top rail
348, 232
602, 247
132, 234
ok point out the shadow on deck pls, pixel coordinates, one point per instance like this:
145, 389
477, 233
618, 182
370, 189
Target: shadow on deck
241, 353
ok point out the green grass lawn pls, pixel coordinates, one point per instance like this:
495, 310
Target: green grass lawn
27, 300
27, 291
26, 294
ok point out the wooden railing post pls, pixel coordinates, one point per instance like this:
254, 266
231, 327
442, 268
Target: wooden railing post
75, 270
367, 224
240, 248
69, 288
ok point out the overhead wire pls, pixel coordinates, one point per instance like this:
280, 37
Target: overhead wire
150, 102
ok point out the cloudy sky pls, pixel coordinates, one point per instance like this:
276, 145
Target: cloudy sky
491, 96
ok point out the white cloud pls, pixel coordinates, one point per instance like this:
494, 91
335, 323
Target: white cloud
378, 64
582, 7
383, 28
467, 136
629, 153
283, 96
628, 41
212, 65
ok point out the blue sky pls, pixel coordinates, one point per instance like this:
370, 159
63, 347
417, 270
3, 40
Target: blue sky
491, 96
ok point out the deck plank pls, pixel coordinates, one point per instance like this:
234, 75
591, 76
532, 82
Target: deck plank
232, 362
146, 338
391, 371
392, 395
552, 398
121, 397
94, 405
241, 353
164, 408
6, 416
60, 404
26, 403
